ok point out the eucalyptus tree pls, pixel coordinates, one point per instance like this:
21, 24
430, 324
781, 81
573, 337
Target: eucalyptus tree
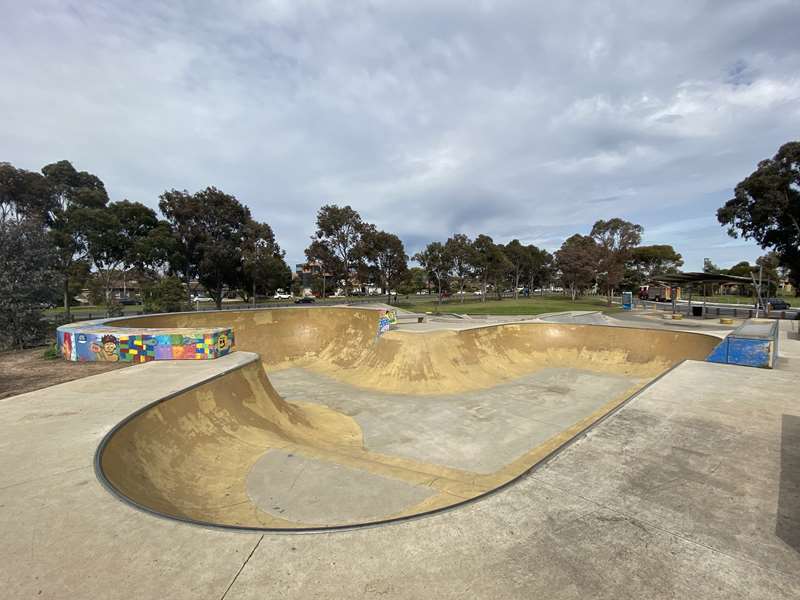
490, 263
577, 263
437, 262
615, 239
339, 231
766, 207
75, 195
209, 229
460, 249
385, 255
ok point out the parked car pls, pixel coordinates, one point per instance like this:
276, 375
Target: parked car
775, 303
129, 301
282, 296
202, 299
305, 300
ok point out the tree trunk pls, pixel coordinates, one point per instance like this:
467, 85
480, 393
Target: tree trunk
67, 314
107, 292
187, 280
572, 291
254, 293
439, 283
483, 290
461, 291
516, 285
218, 297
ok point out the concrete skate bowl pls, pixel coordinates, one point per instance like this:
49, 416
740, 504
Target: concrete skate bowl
320, 424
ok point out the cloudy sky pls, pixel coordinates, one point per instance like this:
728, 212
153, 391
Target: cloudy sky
526, 120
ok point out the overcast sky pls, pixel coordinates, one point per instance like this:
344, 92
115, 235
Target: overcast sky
526, 120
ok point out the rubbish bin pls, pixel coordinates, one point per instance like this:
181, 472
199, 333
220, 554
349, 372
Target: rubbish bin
697, 311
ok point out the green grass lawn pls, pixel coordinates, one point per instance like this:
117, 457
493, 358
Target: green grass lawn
509, 306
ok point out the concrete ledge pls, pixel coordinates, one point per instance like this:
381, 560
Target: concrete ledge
102, 341
752, 344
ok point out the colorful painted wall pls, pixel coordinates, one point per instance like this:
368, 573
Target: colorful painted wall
92, 342
387, 320
101, 341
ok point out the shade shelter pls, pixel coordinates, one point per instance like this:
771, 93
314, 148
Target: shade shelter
675, 280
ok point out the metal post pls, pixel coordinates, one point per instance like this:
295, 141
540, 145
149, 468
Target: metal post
705, 298
757, 286
689, 310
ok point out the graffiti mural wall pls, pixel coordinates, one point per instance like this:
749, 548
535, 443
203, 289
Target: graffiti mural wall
387, 320
87, 342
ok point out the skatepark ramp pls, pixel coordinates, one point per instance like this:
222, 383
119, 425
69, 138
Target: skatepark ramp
323, 424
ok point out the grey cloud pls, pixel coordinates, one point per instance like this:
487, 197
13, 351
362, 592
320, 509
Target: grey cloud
516, 119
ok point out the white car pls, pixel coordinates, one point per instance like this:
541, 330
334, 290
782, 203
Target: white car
202, 299
478, 293
282, 296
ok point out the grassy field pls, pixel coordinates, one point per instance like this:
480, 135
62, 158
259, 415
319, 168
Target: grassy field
509, 306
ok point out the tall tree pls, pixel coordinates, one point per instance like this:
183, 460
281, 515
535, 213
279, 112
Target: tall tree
386, 257
768, 271
646, 262
766, 206
489, 262
27, 262
24, 194
518, 256
74, 193
320, 256
577, 261
340, 230
437, 262
537, 267
416, 280
615, 239
115, 237
263, 266
460, 249
209, 228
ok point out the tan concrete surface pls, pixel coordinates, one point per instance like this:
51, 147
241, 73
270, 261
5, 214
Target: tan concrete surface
189, 457
690, 491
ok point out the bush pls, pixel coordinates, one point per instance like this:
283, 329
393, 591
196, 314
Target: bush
51, 352
166, 295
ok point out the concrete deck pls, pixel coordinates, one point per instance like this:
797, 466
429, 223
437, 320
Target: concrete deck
691, 490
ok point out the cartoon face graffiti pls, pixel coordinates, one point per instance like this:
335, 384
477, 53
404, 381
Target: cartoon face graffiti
222, 342
107, 350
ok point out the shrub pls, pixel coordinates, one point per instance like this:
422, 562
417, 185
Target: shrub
166, 295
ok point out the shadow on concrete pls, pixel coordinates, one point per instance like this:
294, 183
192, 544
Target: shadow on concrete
787, 527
